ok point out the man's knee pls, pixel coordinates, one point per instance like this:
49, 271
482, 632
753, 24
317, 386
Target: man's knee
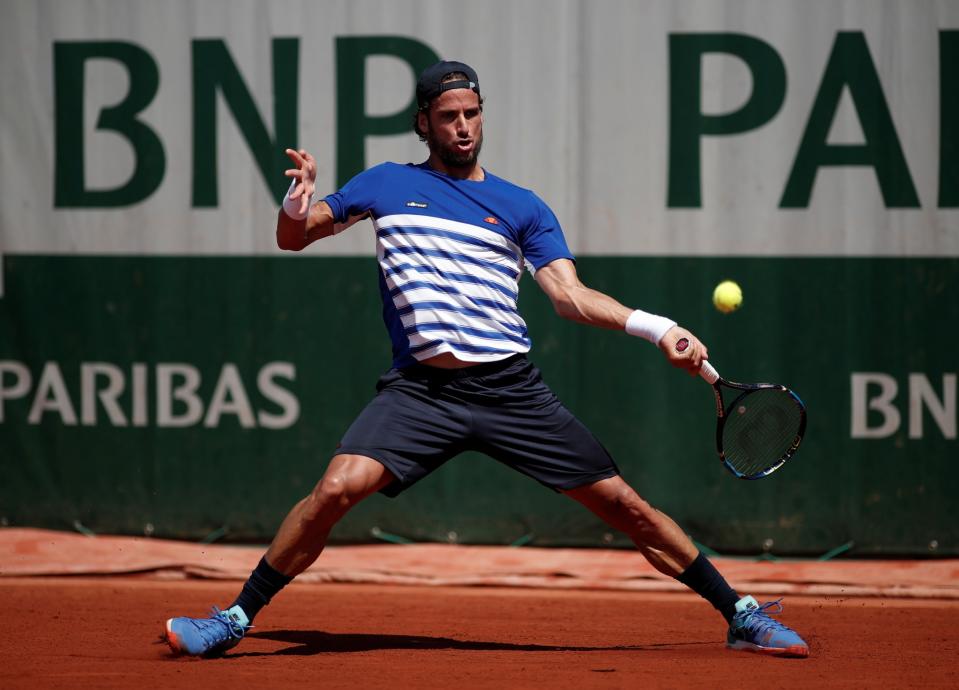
347, 481
619, 504
626, 504
333, 491
613, 496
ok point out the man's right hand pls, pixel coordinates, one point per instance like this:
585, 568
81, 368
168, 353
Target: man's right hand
305, 176
689, 358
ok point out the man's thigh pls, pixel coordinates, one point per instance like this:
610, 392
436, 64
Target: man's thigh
408, 429
533, 432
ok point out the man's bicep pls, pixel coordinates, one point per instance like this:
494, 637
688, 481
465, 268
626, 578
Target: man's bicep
321, 213
556, 277
320, 221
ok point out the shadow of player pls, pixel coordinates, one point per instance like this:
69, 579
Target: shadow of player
307, 642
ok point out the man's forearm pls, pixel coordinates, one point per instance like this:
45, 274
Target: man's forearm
294, 235
592, 307
585, 305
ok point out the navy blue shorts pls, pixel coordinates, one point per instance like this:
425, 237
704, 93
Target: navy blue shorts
423, 416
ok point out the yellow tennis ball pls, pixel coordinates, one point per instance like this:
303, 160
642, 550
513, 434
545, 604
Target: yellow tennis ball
727, 296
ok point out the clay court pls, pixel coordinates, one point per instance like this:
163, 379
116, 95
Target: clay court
572, 619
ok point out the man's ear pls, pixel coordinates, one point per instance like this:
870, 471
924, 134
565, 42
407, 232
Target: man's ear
422, 121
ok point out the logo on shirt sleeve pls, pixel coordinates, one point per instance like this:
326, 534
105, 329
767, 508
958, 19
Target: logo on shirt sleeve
491, 220
416, 204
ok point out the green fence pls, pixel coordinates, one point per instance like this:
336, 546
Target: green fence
200, 397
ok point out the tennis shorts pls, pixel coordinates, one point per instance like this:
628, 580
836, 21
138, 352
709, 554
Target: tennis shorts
423, 416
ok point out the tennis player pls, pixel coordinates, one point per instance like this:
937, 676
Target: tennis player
452, 240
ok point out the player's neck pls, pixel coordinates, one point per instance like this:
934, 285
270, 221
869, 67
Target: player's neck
473, 171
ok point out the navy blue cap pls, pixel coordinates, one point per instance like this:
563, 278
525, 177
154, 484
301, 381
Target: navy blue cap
430, 84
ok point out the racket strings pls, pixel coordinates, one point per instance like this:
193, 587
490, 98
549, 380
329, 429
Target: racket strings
760, 430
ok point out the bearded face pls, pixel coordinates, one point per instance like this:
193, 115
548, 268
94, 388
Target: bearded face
453, 126
452, 154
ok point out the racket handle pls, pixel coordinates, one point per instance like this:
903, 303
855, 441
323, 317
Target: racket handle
708, 372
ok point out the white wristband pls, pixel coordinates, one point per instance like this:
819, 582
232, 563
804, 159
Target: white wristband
648, 326
291, 207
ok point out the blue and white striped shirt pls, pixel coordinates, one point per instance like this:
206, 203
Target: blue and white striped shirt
451, 253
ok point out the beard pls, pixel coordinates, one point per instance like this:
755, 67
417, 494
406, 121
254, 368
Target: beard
450, 156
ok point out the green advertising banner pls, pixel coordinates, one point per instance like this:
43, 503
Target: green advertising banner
166, 370
219, 393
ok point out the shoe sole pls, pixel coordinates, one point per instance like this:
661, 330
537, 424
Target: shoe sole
172, 639
796, 651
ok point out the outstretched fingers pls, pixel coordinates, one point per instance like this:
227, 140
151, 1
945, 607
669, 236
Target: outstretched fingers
304, 176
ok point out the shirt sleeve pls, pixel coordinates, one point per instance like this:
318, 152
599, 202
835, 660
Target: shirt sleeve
543, 239
356, 198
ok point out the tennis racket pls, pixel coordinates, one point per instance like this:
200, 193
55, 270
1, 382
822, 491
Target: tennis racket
760, 429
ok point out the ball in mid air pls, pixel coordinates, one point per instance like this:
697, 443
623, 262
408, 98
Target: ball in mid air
727, 296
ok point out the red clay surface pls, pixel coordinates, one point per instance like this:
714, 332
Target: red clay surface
102, 633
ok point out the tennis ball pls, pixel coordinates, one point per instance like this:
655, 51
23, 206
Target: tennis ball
727, 296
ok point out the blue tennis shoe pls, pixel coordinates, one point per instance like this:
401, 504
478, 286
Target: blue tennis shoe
753, 630
207, 636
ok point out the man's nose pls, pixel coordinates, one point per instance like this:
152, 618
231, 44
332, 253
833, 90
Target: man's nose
461, 126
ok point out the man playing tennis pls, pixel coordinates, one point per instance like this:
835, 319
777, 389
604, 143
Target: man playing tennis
452, 240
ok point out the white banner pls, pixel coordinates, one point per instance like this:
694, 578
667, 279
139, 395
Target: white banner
819, 128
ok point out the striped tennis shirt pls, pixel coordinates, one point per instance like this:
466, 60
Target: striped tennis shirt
451, 253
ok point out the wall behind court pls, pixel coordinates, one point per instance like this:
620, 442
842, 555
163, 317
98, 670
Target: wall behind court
164, 369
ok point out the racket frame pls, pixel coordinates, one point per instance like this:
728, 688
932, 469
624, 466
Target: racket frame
711, 376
